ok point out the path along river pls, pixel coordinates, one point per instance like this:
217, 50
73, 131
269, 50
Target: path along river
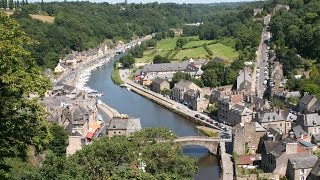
152, 115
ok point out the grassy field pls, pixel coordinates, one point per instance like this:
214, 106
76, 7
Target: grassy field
47, 19
192, 53
115, 76
223, 51
196, 43
208, 131
168, 45
149, 54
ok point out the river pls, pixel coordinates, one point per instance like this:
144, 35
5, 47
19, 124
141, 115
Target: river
152, 115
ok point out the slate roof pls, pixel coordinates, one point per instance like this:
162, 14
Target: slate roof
192, 92
259, 128
118, 124
293, 94
270, 116
306, 99
303, 161
164, 67
158, 80
269, 145
183, 84
66, 88
274, 133
306, 144
239, 108
316, 169
138, 72
298, 131
290, 117
280, 148
311, 119
316, 137
315, 107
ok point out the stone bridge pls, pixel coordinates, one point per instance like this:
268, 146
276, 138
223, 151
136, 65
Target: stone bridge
212, 144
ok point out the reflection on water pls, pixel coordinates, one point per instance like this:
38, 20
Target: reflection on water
152, 115
208, 164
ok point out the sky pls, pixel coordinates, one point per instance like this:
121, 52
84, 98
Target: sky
148, 1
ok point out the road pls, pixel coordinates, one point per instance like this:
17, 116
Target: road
173, 104
261, 73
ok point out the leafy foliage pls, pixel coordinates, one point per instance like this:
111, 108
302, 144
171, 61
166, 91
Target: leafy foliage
58, 143
127, 61
216, 74
159, 59
22, 120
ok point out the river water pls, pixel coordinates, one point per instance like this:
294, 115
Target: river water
152, 115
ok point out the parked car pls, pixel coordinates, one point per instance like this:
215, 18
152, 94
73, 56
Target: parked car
202, 118
197, 116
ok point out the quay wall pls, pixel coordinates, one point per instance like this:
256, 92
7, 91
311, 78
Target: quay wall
169, 104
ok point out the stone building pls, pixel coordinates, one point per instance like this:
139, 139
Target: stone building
275, 155
300, 165
195, 100
122, 127
181, 87
274, 120
309, 104
244, 80
246, 137
159, 84
309, 122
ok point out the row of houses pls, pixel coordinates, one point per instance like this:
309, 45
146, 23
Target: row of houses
277, 153
73, 59
80, 114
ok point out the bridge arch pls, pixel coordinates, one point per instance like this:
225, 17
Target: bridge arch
212, 144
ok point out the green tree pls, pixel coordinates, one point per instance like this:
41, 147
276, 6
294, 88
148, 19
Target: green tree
121, 157
181, 42
314, 73
127, 61
178, 76
210, 78
160, 59
59, 140
22, 119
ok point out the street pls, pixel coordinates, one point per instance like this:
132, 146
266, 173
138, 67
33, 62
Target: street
261, 74
203, 118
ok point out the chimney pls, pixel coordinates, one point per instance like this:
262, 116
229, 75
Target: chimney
291, 148
291, 134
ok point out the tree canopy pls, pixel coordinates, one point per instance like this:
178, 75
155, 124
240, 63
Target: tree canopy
22, 120
120, 157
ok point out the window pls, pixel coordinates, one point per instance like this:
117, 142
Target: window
301, 177
280, 124
301, 171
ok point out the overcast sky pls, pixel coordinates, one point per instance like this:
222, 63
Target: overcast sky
148, 1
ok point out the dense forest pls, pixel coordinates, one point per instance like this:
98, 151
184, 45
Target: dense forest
296, 38
82, 25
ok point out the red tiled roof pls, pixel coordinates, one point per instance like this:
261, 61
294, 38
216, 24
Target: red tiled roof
245, 160
89, 135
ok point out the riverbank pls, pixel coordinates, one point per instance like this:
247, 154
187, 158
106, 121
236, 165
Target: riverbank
115, 75
208, 131
167, 103
79, 75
